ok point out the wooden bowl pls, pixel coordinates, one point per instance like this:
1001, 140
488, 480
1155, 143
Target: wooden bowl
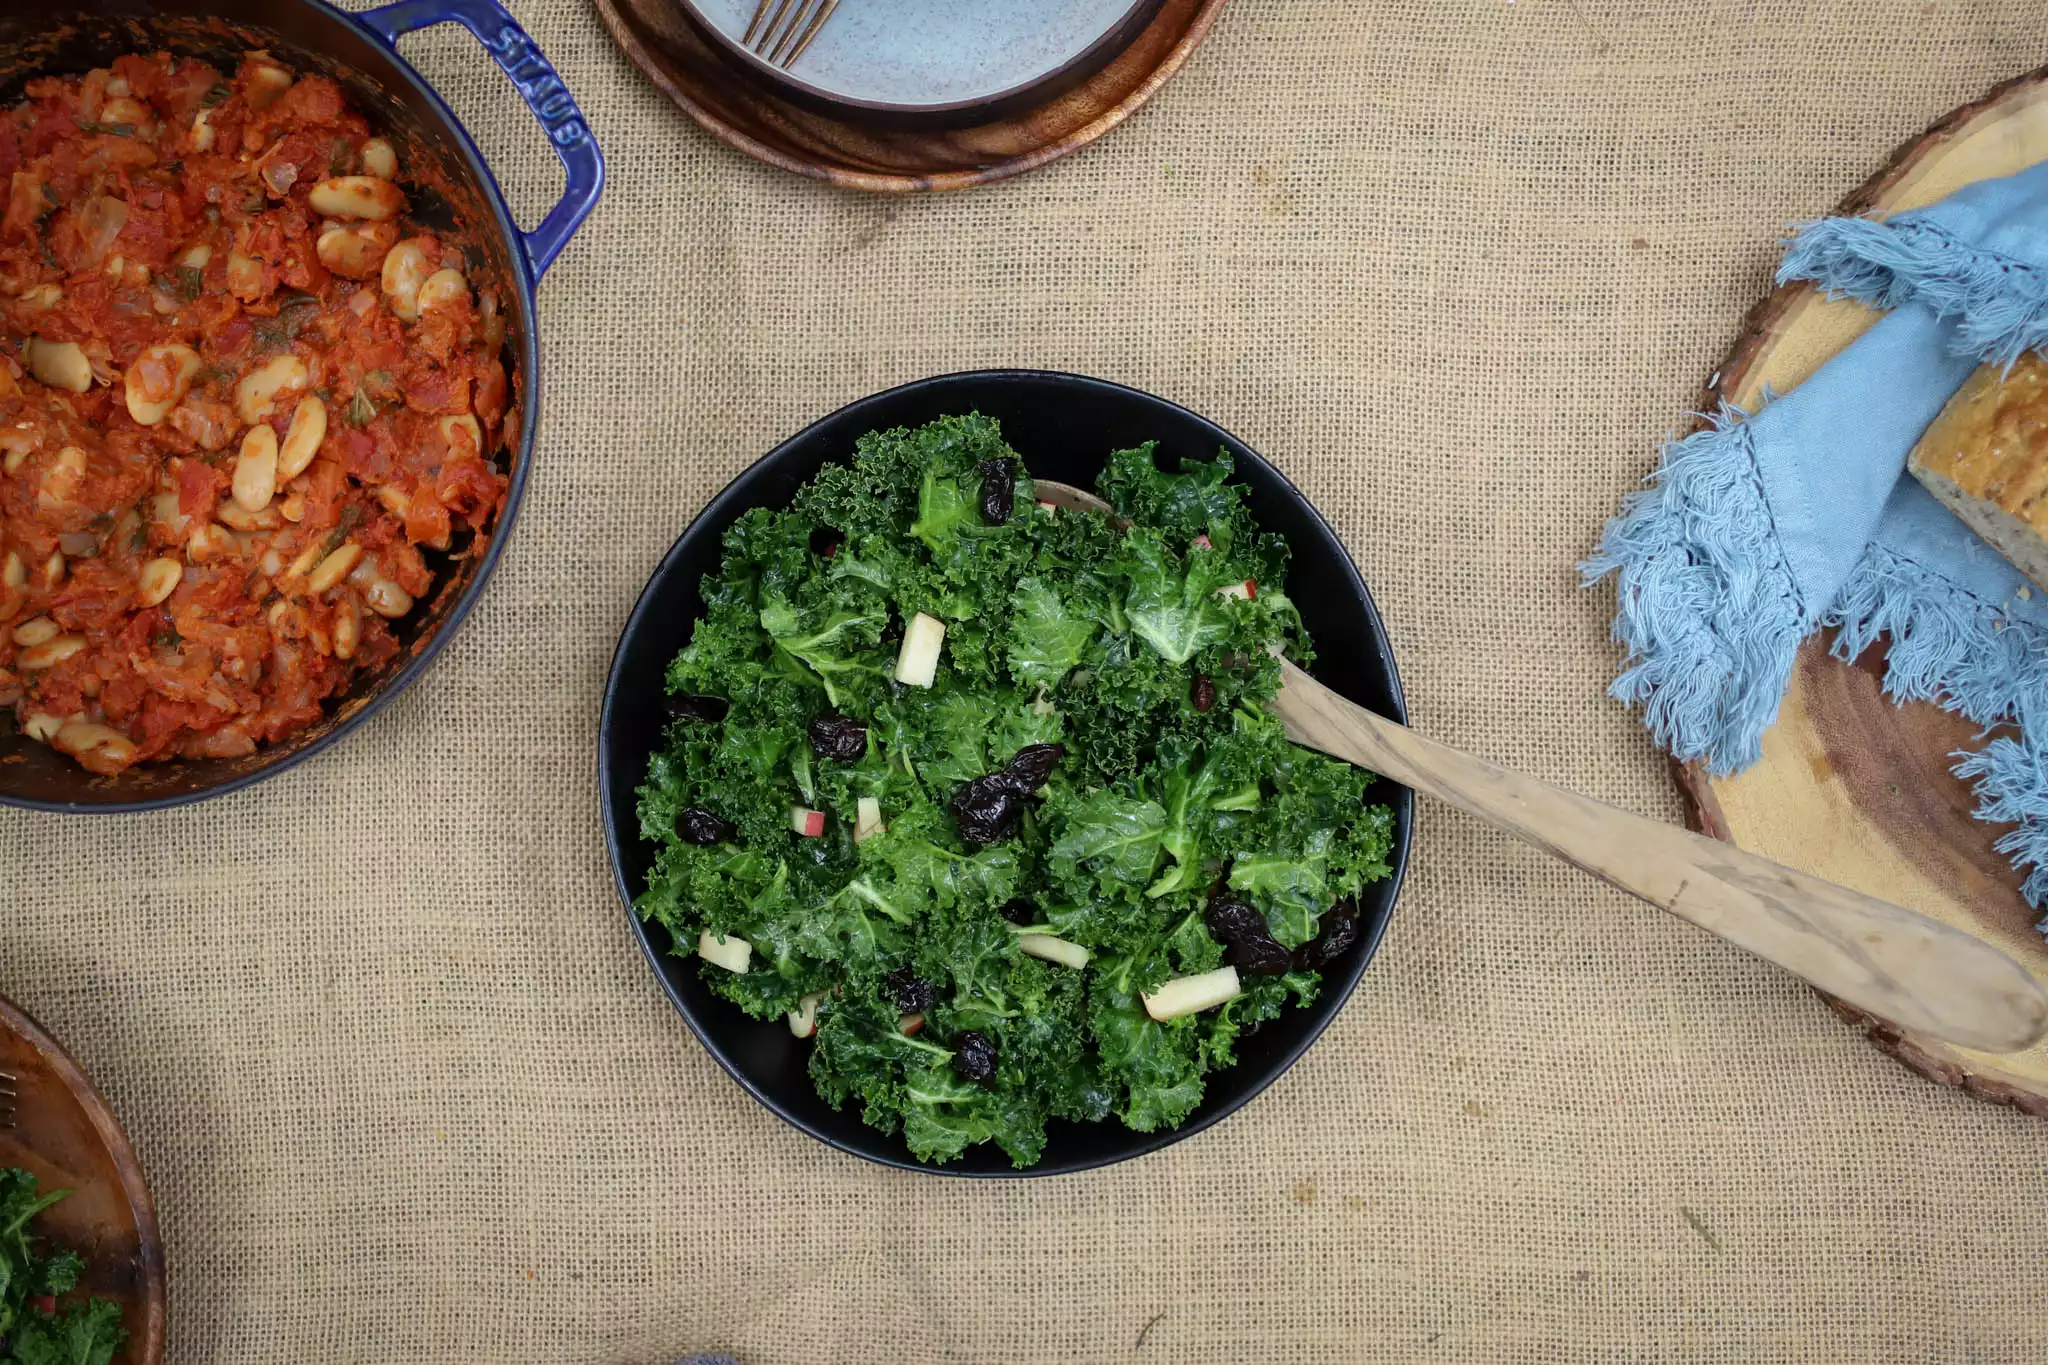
66, 1136
698, 72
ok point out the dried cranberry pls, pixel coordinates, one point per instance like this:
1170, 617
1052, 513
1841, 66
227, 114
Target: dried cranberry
825, 542
1033, 765
987, 808
998, 490
840, 738
1340, 931
696, 708
1203, 693
911, 992
1240, 927
1018, 911
974, 1057
699, 826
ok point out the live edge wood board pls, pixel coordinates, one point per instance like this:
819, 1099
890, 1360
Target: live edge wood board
1852, 787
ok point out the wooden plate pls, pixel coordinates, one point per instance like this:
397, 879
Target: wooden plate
64, 1134
733, 104
1852, 787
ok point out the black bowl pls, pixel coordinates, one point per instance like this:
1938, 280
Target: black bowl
1064, 426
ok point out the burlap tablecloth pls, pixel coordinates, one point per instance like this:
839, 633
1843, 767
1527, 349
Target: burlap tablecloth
406, 1091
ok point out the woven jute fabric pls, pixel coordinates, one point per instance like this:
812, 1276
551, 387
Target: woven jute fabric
405, 1089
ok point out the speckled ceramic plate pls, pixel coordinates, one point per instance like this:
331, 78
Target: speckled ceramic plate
940, 58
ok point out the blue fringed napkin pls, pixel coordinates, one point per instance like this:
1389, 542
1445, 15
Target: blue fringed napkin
1764, 528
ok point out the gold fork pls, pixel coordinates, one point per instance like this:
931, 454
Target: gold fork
780, 37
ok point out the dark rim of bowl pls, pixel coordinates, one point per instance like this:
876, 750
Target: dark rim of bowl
1140, 1144
1096, 55
515, 492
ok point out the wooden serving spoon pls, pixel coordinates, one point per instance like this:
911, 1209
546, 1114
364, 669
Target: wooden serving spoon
1913, 971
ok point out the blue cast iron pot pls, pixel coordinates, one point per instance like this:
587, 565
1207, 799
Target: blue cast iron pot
465, 204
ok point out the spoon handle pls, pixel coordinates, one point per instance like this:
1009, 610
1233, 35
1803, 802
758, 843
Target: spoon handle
1919, 974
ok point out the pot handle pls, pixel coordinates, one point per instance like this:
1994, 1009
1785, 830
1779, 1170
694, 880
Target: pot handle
538, 85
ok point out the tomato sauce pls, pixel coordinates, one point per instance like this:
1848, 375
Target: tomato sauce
241, 395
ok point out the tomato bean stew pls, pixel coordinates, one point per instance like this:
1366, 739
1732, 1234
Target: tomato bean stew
241, 393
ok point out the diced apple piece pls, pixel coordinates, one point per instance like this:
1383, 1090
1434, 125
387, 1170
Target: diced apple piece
1201, 542
867, 819
910, 1023
1193, 994
1248, 590
730, 952
1053, 950
803, 1020
917, 663
809, 823
1049, 508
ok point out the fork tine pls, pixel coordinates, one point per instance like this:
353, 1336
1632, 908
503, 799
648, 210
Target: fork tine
760, 11
824, 13
767, 34
790, 34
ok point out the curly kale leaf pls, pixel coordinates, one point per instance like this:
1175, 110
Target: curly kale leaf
32, 1330
1046, 640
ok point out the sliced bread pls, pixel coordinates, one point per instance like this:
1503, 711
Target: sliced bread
1986, 458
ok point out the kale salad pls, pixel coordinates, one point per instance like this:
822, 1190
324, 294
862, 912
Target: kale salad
986, 798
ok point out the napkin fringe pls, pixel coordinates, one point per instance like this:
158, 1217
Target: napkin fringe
1952, 648
1706, 609
2012, 788
2001, 302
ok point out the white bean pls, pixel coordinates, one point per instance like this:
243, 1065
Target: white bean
35, 630
196, 256
200, 139
379, 159
355, 252
260, 390
50, 652
158, 381
267, 85
387, 599
60, 364
42, 726
159, 579
303, 565
255, 481
442, 288
348, 626
208, 542
406, 268
302, 438
98, 748
334, 568
245, 277
53, 569
356, 196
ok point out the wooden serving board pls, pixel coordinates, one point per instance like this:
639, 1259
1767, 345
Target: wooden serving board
1852, 787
